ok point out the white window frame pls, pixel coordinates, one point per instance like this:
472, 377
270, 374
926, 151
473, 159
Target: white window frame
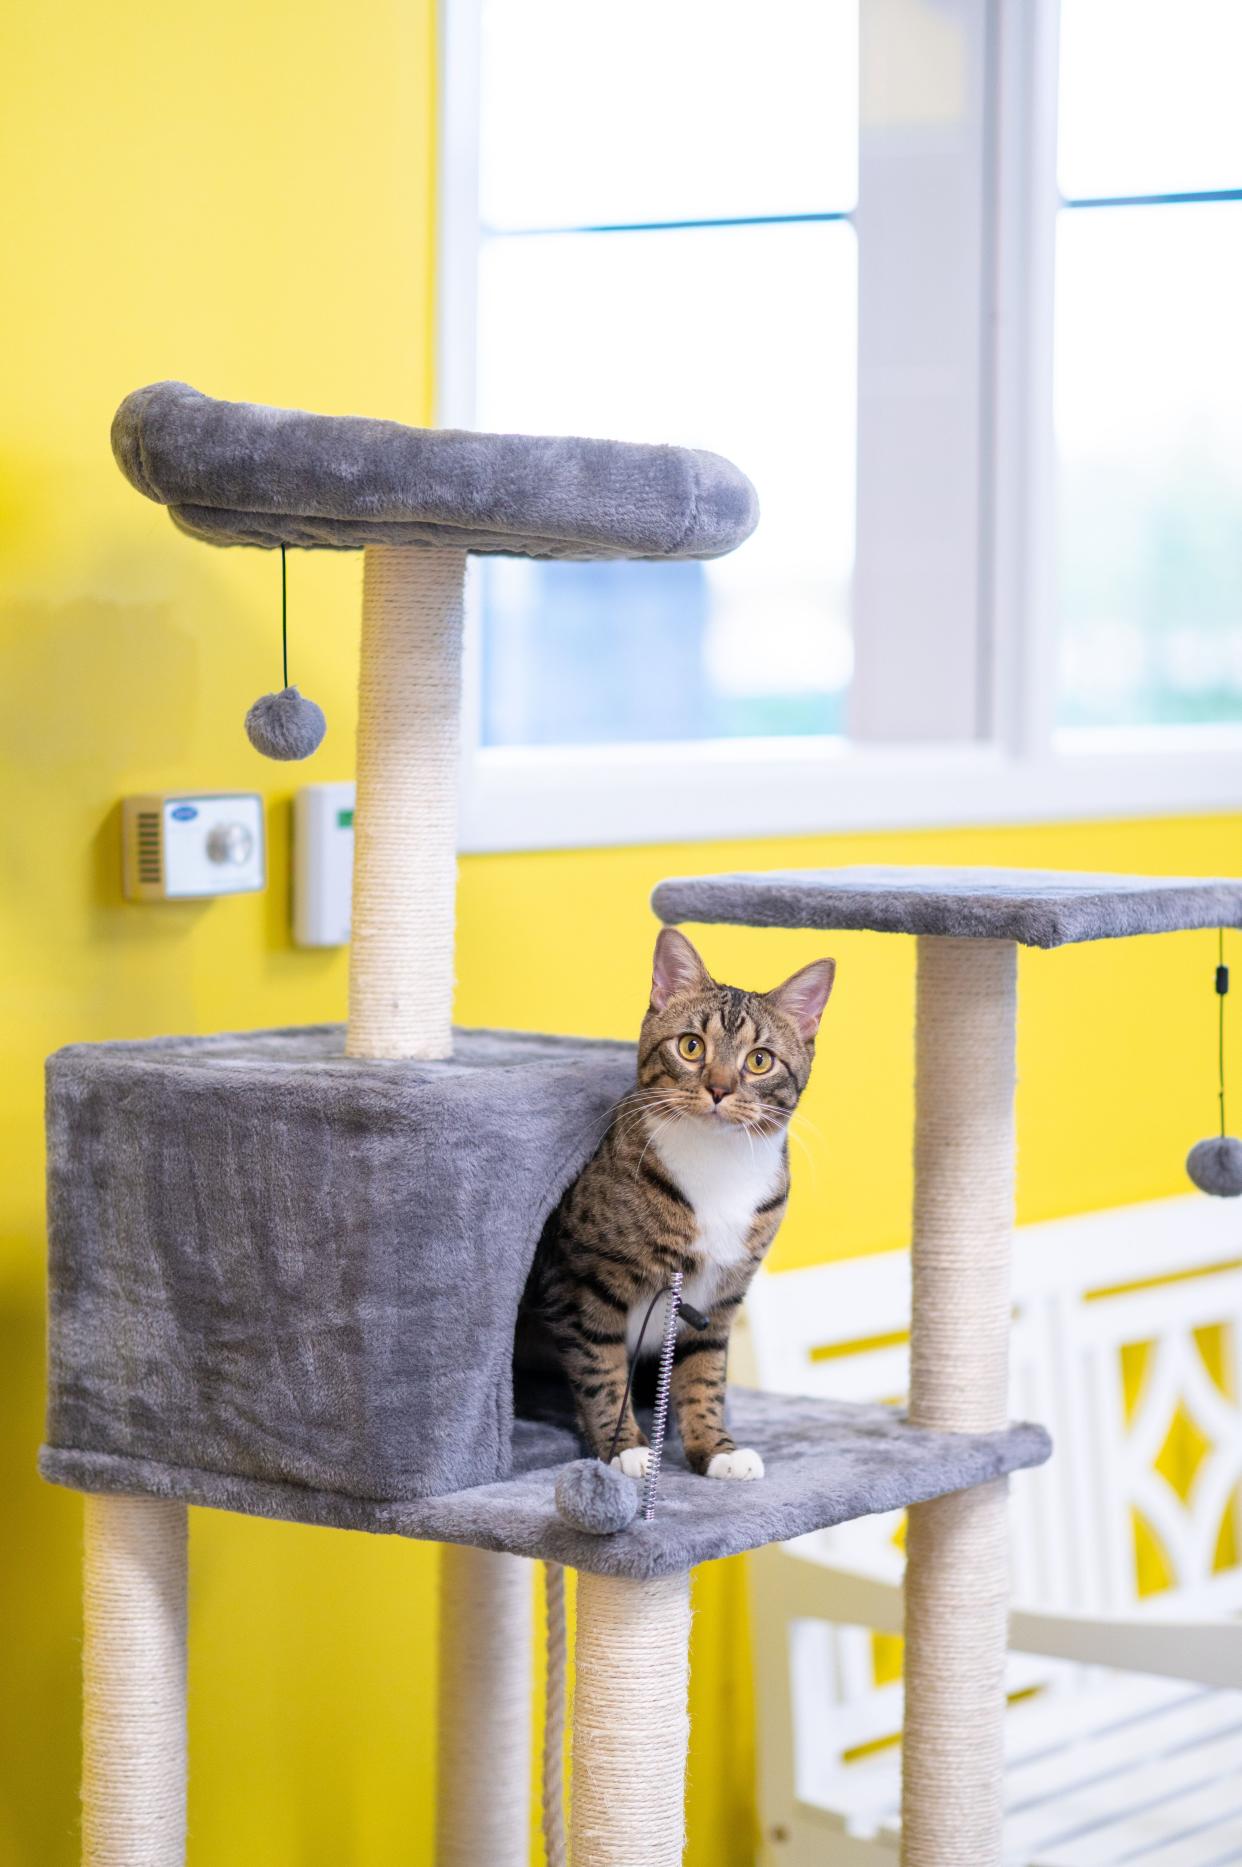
951, 723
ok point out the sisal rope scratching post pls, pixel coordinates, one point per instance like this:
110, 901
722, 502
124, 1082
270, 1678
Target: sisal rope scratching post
553, 1774
957, 1549
483, 1773
134, 1714
631, 1723
405, 825
401, 1005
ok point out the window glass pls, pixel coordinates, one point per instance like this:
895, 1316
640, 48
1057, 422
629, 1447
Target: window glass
1148, 390
614, 302
738, 339
1149, 100
661, 110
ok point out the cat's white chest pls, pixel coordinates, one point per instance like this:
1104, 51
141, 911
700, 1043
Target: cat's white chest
726, 1175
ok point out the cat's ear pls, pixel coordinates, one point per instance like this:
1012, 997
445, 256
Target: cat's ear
803, 997
676, 970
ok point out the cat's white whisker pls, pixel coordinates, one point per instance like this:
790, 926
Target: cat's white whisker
667, 1122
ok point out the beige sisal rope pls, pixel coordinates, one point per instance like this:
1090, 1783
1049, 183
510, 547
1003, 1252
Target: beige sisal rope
483, 1791
405, 824
554, 1716
957, 1552
134, 1725
631, 1725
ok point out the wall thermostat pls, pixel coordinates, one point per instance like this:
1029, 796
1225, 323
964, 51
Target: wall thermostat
179, 847
323, 864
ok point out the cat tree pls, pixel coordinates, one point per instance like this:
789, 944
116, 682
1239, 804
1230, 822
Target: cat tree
285, 1266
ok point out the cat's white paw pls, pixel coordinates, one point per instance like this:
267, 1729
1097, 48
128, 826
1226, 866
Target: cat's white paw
744, 1463
633, 1461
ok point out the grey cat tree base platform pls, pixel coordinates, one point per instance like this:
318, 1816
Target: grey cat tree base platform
826, 1464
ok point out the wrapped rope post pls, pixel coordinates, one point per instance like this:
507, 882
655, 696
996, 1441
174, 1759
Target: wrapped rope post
553, 1775
957, 1550
483, 1760
631, 1725
134, 1710
401, 1005
405, 824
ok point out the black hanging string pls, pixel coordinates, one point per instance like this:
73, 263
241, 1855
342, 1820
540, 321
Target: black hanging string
284, 618
1222, 986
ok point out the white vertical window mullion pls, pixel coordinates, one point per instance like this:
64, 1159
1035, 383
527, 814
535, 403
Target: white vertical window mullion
1019, 588
923, 250
456, 314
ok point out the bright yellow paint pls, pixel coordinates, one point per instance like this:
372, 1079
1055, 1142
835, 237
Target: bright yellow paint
239, 195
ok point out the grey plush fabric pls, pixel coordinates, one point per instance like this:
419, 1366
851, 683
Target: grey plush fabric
240, 473
285, 725
285, 1282
1215, 1166
1037, 907
826, 1462
591, 1496
270, 1261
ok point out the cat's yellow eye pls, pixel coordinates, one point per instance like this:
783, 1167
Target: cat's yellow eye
690, 1046
759, 1062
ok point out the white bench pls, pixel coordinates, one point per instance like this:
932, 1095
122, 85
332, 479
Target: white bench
1142, 1764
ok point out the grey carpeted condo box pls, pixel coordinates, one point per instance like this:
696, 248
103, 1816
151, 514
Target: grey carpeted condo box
285, 1282
272, 1262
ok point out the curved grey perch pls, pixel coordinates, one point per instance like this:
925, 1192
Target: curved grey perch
1036, 907
239, 473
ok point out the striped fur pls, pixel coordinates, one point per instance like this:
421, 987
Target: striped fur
692, 1175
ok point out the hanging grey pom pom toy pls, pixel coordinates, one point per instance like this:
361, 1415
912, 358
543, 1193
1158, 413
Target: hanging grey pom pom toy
594, 1497
1215, 1165
285, 725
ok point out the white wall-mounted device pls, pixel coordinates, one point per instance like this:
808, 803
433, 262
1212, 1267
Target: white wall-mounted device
323, 864
185, 845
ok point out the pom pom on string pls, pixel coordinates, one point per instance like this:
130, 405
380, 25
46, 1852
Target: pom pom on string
1215, 1165
285, 725
594, 1497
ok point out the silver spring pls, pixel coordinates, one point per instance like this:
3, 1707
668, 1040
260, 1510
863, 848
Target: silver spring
659, 1418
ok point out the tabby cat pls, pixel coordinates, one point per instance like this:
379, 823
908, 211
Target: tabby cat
693, 1175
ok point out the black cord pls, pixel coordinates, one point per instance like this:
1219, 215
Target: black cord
284, 617
687, 1313
629, 1379
1222, 986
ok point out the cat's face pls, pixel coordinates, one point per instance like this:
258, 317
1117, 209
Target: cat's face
723, 1056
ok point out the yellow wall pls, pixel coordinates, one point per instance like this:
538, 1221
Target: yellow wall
239, 195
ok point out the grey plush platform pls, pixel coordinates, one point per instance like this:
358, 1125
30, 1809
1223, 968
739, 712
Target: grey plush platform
238, 473
1037, 907
827, 1462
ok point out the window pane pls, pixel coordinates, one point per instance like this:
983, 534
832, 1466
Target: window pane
664, 110
1149, 427
1149, 96
739, 339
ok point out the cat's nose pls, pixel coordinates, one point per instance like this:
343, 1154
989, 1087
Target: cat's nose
716, 1092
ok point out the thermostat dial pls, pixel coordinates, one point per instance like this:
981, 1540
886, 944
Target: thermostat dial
230, 842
